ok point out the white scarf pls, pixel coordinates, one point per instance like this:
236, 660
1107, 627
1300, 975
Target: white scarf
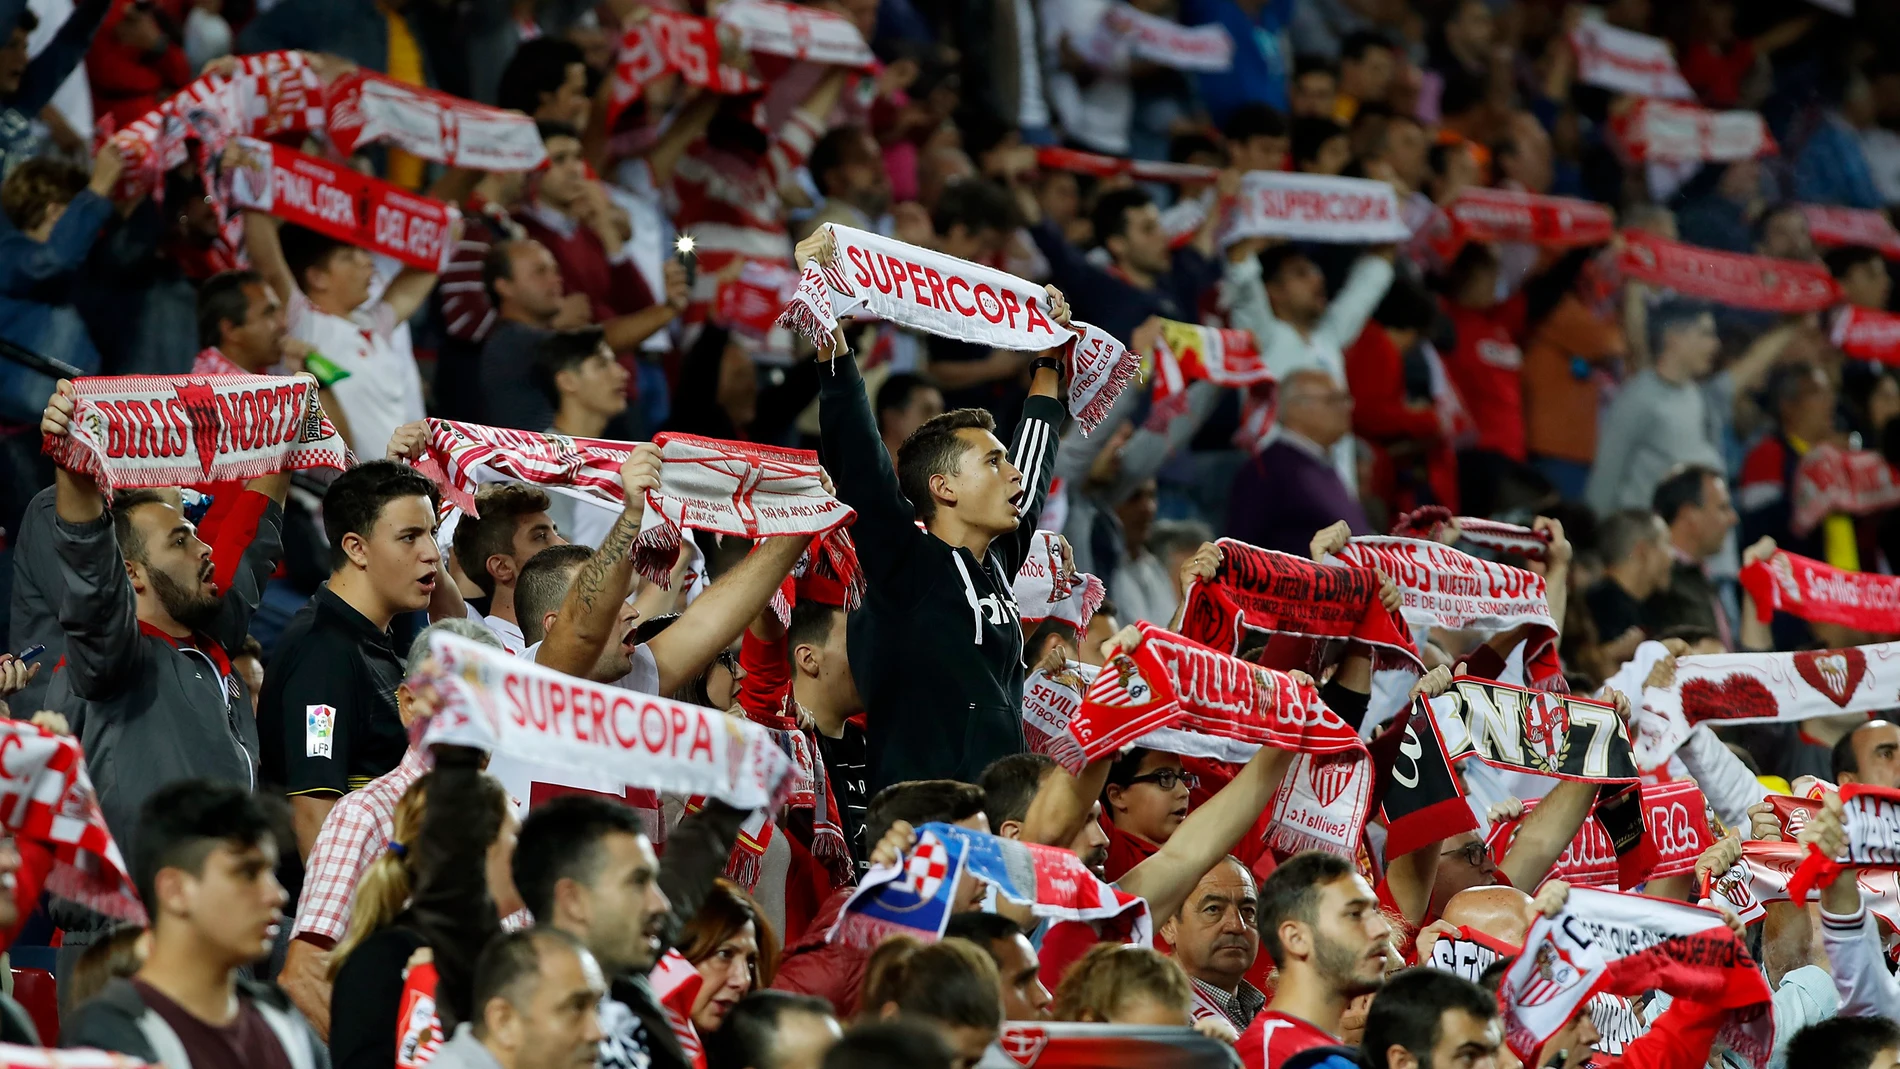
797, 32
366, 108
1627, 62
1661, 130
1754, 688
1162, 41
1314, 207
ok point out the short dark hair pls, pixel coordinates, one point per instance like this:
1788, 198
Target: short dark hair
830, 152
1409, 1012
897, 391
936, 449
1184, 146
1622, 531
549, 129
1275, 258
560, 840
356, 500
1110, 214
911, 1044
1310, 133
1249, 121
1672, 315
1123, 770
538, 66
982, 929
497, 264
1681, 489
37, 186
747, 1038
489, 530
1408, 305
1842, 757
1845, 258
222, 300
1292, 891
183, 821
131, 542
1010, 785
1693, 634
977, 204
952, 981
1842, 1042
305, 249
561, 351
810, 624
920, 801
1305, 63
511, 962
1355, 45
542, 586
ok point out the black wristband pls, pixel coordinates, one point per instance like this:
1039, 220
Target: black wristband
1045, 360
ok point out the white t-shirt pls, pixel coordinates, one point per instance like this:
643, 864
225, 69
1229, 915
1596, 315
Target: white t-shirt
644, 676
507, 632
384, 389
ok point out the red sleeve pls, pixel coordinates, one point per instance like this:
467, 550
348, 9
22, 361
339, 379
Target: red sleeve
229, 526
1375, 377
1763, 464
1680, 1038
767, 677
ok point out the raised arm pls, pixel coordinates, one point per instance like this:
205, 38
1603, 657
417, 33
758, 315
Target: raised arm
586, 621
267, 254
409, 289
718, 615
1062, 804
97, 609
62, 55
1346, 315
1208, 834
1547, 832
666, 152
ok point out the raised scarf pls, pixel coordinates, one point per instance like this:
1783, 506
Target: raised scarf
46, 797
1871, 818
797, 32
269, 94
1665, 131
418, 1030
1628, 945
1314, 207
1051, 702
870, 275
1427, 522
1044, 592
676, 983
1615, 1018
1263, 591
496, 702
917, 895
1758, 282
1056, 158
1754, 688
1831, 479
811, 792
1627, 62
1821, 593
1767, 869
179, 430
1187, 352
1866, 334
366, 108
1443, 587
728, 488
1673, 818
342, 203
1830, 226
1125, 30
750, 303
672, 42
1502, 215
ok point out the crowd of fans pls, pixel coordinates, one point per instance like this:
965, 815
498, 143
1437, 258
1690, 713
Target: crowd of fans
240, 661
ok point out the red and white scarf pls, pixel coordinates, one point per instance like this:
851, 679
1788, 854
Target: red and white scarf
1051, 702
1768, 868
46, 797
811, 791
676, 983
1443, 587
1627, 945
1056, 158
1499, 537
672, 42
1125, 28
177, 430
750, 303
1871, 818
1188, 353
418, 1030
342, 203
1754, 688
269, 94
927, 291
1758, 282
1043, 591
1821, 593
1866, 334
797, 32
1627, 62
494, 702
1674, 819
367, 108
1314, 207
1492, 215
1831, 226
16, 1057
1260, 590
1664, 131
1830, 479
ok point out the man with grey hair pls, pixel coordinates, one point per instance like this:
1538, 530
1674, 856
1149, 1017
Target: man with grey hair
1288, 490
353, 836
533, 1007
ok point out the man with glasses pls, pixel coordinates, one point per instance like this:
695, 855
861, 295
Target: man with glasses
1466, 860
1290, 487
1147, 798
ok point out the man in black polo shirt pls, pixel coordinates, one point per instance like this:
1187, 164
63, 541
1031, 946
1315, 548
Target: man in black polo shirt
328, 722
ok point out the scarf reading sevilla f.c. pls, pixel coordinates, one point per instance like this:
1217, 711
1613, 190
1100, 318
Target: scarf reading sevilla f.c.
178, 430
925, 290
1627, 945
1830, 479
1759, 282
917, 895
1673, 819
1821, 593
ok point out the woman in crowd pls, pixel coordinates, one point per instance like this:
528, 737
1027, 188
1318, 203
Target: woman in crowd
734, 948
1119, 984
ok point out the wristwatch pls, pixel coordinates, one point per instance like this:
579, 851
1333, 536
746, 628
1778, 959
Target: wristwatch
1046, 360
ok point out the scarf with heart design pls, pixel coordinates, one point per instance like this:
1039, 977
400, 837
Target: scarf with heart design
1758, 688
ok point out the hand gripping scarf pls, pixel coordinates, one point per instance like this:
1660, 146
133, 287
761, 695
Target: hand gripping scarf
1754, 688
728, 488
269, 94
1821, 593
1665, 131
1871, 818
1427, 522
1314, 207
1759, 282
418, 1029
1056, 158
1866, 334
1627, 945
671, 42
1502, 215
496, 702
1627, 62
1616, 1020
1044, 592
1767, 870
1124, 27
1830, 479
46, 798
339, 202
367, 108
917, 895
927, 291
1830, 226
178, 430
1191, 353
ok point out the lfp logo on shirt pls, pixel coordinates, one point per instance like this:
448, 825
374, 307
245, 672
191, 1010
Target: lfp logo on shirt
319, 730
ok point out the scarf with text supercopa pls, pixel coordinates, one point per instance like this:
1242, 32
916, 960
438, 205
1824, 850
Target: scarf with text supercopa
942, 295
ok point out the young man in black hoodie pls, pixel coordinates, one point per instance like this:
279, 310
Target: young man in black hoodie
937, 647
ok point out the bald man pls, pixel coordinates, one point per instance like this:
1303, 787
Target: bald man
1869, 755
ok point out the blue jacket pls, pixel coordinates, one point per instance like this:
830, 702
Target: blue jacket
36, 302
1263, 54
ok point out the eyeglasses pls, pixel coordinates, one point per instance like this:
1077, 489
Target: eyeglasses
1167, 778
1476, 853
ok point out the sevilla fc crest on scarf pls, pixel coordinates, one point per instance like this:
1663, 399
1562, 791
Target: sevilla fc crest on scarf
1555, 973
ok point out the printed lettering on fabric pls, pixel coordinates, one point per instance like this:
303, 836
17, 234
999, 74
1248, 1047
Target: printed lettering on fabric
1536, 732
1314, 207
319, 732
1871, 818
1819, 592
338, 202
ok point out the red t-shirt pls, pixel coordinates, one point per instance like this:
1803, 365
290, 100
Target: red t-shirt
1486, 367
1273, 1037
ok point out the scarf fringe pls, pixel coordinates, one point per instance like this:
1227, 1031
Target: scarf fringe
1096, 410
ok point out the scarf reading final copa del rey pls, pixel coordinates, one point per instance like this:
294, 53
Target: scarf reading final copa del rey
178, 430
928, 291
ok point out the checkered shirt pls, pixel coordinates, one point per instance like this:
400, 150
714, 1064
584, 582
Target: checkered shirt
1238, 1009
354, 835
